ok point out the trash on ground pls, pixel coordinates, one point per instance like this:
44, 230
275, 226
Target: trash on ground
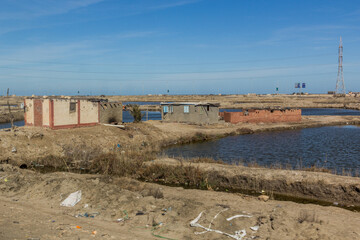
91, 215
264, 198
239, 235
78, 227
14, 150
140, 213
237, 216
255, 228
72, 199
93, 232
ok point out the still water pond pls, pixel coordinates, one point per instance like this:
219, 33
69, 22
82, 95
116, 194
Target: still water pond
336, 148
8, 125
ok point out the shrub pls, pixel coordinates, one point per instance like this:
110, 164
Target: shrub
135, 112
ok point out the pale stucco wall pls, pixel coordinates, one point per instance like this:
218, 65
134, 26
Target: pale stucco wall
46, 112
62, 114
29, 108
89, 112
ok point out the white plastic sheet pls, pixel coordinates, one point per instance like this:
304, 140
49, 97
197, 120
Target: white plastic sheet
72, 199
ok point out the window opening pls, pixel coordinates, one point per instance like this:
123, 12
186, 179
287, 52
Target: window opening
186, 109
72, 107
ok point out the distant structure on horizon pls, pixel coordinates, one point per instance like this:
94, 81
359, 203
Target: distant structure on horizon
340, 85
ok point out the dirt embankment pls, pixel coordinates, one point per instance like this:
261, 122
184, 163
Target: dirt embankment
255, 101
29, 143
302, 186
128, 149
16, 111
123, 208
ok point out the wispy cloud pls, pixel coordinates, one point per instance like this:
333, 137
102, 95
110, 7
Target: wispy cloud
27, 9
312, 33
173, 4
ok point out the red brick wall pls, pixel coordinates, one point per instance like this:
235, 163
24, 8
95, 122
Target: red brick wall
38, 113
256, 116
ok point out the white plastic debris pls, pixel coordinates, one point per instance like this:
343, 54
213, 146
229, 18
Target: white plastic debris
239, 235
237, 216
72, 199
255, 228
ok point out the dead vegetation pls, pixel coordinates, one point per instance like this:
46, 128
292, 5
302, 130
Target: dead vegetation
307, 216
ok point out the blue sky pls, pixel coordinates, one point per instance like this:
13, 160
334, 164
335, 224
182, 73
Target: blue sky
126, 47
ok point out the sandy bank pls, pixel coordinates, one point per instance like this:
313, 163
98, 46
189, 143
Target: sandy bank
30, 209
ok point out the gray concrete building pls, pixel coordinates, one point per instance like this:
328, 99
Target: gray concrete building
198, 113
111, 112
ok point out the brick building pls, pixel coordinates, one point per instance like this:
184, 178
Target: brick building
263, 115
58, 113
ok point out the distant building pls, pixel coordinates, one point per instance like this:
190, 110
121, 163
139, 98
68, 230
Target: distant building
198, 113
262, 115
61, 112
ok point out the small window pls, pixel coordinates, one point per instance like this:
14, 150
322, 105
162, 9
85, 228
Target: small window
171, 109
165, 109
73, 107
186, 109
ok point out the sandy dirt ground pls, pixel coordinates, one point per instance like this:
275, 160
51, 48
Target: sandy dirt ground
255, 101
30, 209
30, 202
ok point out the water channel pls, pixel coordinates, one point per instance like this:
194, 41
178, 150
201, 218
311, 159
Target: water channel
336, 148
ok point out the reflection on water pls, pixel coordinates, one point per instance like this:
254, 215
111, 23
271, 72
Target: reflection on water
8, 125
335, 148
329, 111
150, 115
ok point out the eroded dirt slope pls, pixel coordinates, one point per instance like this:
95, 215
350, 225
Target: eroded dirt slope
30, 209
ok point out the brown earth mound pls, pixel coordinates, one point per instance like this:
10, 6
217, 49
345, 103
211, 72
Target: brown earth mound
121, 208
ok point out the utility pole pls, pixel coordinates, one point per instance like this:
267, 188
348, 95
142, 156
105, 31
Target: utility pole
340, 85
11, 116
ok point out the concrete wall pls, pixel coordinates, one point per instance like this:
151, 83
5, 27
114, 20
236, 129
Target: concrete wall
111, 112
62, 114
29, 112
46, 112
89, 112
67, 113
197, 114
256, 116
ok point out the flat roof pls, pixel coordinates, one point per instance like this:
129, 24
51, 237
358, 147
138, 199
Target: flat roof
191, 103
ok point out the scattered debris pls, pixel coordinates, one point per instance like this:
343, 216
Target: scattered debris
255, 228
239, 235
111, 125
139, 213
264, 198
72, 199
14, 150
237, 216
91, 215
